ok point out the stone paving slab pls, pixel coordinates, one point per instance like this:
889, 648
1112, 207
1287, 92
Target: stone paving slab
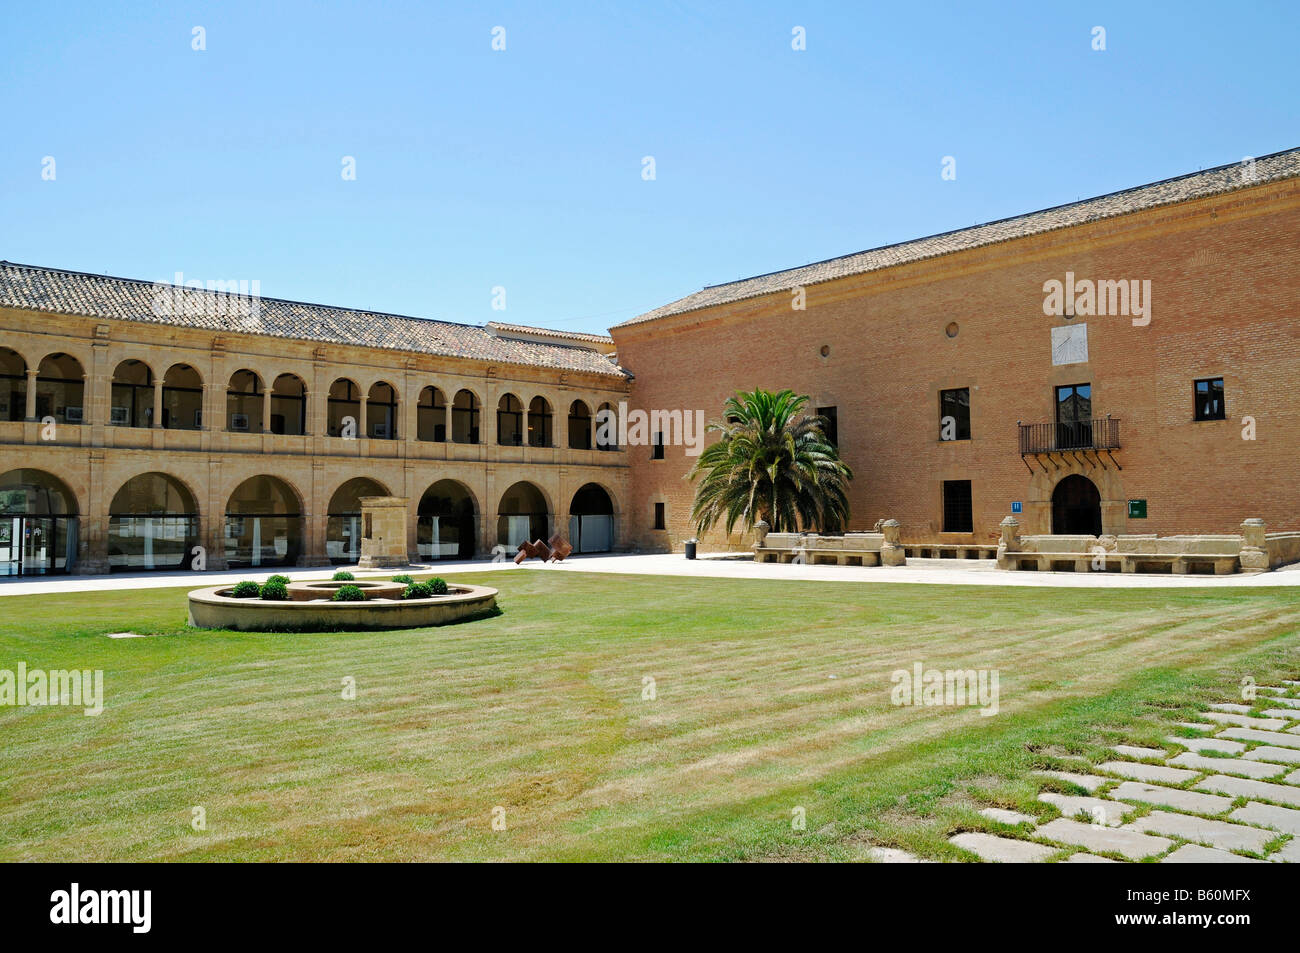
1132, 751
892, 855
1198, 726
1215, 833
1003, 816
1131, 844
1266, 815
1289, 854
1288, 702
1148, 772
1002, 850
1088, 859
1196, 854
1089, 782
1294, 731
1293, 777
1284, 714
1251, 769
1241, 787
1239, 709
1171, 797
1265, 737
1269, 753
1209, 744
1099, 810
1245, 721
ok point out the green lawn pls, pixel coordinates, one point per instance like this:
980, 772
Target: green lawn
540, 711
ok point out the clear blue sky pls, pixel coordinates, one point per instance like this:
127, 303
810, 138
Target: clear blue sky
523, 168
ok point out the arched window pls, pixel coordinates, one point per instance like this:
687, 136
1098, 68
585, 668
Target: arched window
182, 398
591, 520
289, 405
606, 428
13, 385
38, 524
522, 516
539, 423
464, 417
510, 421
431, 416
343, 526
381, 409
263, 524
447, 523
244, 403
579, 426
153, 523
132, 395
344, 414
60, 385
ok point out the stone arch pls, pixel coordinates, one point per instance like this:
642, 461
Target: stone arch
467, 416
510, 420
592, 518
343, 518
540, 423
524, 510
183, 397
447, 516
153, 524
245, 400
39, 523
264, 523
131, 394
1107, 478
343, 401
61, 388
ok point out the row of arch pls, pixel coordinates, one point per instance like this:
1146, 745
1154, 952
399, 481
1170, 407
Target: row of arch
154, 522
56, 388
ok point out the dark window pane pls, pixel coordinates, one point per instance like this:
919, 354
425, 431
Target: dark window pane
954, 414
957, 516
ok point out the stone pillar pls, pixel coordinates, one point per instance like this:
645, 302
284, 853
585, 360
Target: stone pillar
446, 420
1254, 548
31, 394
363, 428
266, 410
383, 532
157, 403
891, 551
1009, 542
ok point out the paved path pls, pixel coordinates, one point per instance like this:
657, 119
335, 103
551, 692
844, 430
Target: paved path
1173, 804
974, 572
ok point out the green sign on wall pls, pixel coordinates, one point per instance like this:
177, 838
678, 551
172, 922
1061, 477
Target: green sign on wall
1137, 509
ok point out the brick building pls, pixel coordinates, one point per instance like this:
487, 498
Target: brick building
1185, 419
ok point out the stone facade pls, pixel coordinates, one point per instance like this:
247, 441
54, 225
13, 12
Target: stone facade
95, 458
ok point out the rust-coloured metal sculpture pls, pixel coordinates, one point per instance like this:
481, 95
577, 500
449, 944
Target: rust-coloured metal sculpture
554, 550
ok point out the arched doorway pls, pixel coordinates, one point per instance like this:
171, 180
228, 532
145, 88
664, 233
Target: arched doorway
153, 523
1076, 507
591, 520
343, 526
522, 516
446, 521
38, 524
263, 524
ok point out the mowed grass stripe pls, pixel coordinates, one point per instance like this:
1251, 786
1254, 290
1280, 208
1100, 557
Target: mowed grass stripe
540, 711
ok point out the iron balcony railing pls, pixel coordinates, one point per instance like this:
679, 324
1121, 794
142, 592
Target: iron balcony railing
1099, 433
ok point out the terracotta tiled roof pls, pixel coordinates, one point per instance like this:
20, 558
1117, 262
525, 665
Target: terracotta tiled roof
549, 332
1226, 178
53, 290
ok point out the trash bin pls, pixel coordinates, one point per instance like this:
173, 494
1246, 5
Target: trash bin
690, 549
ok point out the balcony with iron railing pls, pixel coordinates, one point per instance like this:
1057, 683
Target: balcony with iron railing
1097, 433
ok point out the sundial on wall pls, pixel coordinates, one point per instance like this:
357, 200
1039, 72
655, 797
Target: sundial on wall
1070, 344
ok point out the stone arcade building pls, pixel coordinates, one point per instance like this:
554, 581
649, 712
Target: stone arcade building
133, 434
1127, 364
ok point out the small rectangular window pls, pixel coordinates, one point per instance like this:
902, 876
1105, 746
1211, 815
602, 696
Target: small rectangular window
659, 516
657, 450
957, 516
832, 428
1209, 399
954, 414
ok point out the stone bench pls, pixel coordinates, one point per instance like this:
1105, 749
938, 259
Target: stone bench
1220, 564
819, 557
950, 551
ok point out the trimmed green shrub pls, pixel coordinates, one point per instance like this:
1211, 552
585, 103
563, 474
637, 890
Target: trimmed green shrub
246, 590
406, 579
438, 586
349, 594
282, 580
343, 576
417, 590
275, 591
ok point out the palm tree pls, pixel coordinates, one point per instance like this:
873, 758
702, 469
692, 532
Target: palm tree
771, 464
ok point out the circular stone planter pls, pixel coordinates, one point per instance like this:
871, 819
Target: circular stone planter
215, 609
325, 589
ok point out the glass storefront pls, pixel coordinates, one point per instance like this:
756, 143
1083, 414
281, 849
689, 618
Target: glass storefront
263, 525
152, 524
38, 525
446, 524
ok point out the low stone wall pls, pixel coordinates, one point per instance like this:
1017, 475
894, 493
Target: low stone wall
214, 609
1251, 551
852, 549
